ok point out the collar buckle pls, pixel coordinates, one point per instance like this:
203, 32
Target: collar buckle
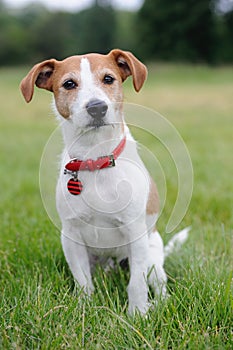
112, 161
72, 173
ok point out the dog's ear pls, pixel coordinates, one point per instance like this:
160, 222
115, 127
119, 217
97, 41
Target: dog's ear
129, 65
40, 75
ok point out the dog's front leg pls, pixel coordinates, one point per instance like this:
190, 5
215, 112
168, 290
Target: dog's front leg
138, 251
77, 258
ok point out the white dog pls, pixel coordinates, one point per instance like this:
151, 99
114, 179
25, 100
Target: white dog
107, 202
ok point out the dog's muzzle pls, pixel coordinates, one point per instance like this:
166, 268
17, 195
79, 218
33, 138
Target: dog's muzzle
97, 109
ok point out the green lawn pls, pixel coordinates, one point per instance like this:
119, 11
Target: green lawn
39, 306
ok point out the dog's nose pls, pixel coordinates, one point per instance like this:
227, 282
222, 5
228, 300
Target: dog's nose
96, 108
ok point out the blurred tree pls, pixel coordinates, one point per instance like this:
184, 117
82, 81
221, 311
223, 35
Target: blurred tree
96, 28
12, 39
30, 18
228, 37
223, 10
125, 37
2, 6
51, 35
191, 30
176, 30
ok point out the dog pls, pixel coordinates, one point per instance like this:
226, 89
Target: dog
107, 202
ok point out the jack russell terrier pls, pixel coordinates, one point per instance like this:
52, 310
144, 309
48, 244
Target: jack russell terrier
107, 202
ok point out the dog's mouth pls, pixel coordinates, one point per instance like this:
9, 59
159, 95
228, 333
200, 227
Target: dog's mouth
96, 124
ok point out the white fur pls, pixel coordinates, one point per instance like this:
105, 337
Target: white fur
109, 218
176, 241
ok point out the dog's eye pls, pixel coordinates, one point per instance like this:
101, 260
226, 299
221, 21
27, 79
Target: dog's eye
69, 84
108, 79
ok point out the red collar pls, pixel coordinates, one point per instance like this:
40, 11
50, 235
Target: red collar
100, 163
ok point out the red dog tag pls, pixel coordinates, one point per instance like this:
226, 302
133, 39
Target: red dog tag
75, 186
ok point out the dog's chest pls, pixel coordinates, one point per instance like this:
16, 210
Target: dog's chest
99, 212
107, 195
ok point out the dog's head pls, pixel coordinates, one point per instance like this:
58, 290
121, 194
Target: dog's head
87, 88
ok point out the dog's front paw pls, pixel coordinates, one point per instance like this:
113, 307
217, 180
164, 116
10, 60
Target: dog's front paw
87, 290
133, 309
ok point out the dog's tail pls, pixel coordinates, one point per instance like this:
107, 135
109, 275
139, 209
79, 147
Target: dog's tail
176, 241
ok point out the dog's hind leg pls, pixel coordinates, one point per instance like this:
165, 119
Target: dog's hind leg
157, 278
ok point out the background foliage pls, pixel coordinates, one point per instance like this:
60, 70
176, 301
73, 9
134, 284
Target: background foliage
191, 31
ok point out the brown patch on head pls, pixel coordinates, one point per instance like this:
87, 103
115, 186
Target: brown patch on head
106, 75
119, 65
66, 84
52, 75
41, 76
153, 200
128, 65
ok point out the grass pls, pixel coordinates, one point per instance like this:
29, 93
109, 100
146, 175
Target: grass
40, 307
